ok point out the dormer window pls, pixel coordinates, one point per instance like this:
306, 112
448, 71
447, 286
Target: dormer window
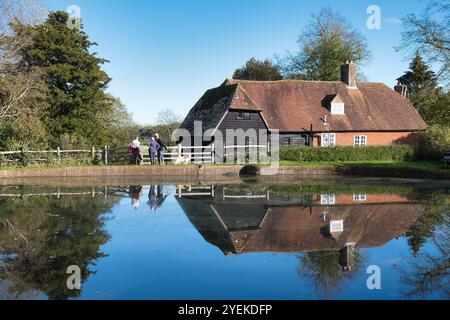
337, 105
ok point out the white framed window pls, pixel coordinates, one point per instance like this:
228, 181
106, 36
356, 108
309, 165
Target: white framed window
328, 140
360, 141
337, 108
359, 197
327, 199
336, 225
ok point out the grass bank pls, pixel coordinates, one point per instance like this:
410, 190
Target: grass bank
425, 165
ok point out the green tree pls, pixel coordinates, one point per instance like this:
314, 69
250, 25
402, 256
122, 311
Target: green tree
121, 127
433, 143
424, 92
76, 83
328, 41
258, 70
22, 90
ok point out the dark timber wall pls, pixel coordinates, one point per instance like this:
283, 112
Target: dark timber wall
293, 139
231, 121
252, 120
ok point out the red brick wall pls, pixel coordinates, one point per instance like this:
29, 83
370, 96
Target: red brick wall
373, 198
374, 138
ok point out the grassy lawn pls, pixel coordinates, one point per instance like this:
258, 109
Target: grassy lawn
431, 165
52, 165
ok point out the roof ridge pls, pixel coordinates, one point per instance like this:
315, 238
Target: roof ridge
229, 81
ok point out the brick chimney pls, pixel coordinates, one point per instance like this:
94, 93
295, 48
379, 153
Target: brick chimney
348, 74
401, 89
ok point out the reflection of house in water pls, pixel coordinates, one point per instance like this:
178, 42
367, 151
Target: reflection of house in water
242, 222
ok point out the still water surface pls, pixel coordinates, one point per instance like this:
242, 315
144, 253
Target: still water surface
308, 240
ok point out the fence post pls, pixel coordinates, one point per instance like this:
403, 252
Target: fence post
105, 158
23, 156
213, 153
93, 153
179, 150
58, 151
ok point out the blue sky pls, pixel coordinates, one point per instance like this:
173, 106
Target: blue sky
166, 53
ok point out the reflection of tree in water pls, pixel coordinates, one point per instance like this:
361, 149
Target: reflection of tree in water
42, 236
437, 207
325, 271
428, 273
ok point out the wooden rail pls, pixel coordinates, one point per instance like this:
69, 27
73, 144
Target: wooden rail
187, 154
176, 154
17, 154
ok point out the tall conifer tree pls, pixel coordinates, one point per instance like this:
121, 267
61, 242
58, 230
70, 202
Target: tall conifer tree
76, 82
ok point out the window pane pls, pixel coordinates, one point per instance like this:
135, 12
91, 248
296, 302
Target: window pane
363, 140
329, 139
327, 199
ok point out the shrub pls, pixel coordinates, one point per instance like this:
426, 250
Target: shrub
433, 143
26, 132
372, 153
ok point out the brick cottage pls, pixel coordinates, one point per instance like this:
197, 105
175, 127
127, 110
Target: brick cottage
312, 113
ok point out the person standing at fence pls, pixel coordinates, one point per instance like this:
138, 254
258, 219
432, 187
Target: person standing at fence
153, 148
136, 151
162, 147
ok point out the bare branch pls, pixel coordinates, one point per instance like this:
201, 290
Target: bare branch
429, 34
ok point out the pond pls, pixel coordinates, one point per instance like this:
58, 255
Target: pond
311, 239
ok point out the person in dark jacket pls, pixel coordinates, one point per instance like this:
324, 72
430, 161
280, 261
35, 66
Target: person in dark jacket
162, 147
153, 149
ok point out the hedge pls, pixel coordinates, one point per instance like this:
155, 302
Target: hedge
433, 143
371, 153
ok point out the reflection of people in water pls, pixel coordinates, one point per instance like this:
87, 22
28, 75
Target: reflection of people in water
135, 195
156, 197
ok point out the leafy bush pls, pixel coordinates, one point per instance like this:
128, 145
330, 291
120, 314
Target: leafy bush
433, 143
26, 132
372, 153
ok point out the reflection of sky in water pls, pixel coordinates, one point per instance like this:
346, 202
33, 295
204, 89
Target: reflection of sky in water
157, 250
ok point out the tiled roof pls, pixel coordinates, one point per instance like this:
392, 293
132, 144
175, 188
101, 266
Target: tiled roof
293, 105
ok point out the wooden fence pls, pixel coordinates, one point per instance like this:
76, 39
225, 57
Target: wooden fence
177, 154
59, 156
187, 154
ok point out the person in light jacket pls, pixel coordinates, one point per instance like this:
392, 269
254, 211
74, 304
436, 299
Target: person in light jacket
135, 149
